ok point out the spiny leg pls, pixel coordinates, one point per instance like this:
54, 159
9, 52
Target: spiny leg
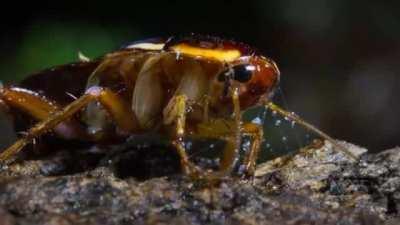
221, 129
121, 113
256, 134
231, 151
308, 126
39, 108
28, 101
224, 130
175, 111
230, 132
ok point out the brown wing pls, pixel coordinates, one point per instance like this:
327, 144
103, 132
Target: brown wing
60, 82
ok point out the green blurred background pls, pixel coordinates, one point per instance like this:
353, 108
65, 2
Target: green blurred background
339, 59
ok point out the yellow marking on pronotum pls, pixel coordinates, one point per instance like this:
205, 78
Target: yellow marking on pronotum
147, 46
216, 54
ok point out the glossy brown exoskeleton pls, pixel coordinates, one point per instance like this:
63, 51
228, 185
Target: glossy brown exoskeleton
193, 86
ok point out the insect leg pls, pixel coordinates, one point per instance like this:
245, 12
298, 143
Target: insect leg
176, 112
255, 132
120, 112
206, 105
310, 127
231, 151
39, 108
28, 101
230, 132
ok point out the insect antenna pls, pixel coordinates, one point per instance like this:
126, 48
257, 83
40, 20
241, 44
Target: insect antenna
286, 105
275, 108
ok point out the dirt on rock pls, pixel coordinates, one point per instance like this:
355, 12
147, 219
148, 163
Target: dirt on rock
125, 185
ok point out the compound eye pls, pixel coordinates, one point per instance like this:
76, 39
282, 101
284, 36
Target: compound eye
243, 72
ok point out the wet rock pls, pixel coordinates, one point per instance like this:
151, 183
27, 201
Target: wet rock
372, 184
315, 186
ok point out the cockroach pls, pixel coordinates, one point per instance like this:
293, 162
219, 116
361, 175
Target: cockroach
188, 86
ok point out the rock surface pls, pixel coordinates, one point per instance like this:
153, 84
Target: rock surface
130, 186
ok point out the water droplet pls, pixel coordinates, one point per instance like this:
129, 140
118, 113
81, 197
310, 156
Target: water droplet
246, 145
284, 139
257, 120
241, 169
286, 118
278, 123
267, 145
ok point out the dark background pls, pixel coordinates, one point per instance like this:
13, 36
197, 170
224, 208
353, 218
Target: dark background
339, 59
